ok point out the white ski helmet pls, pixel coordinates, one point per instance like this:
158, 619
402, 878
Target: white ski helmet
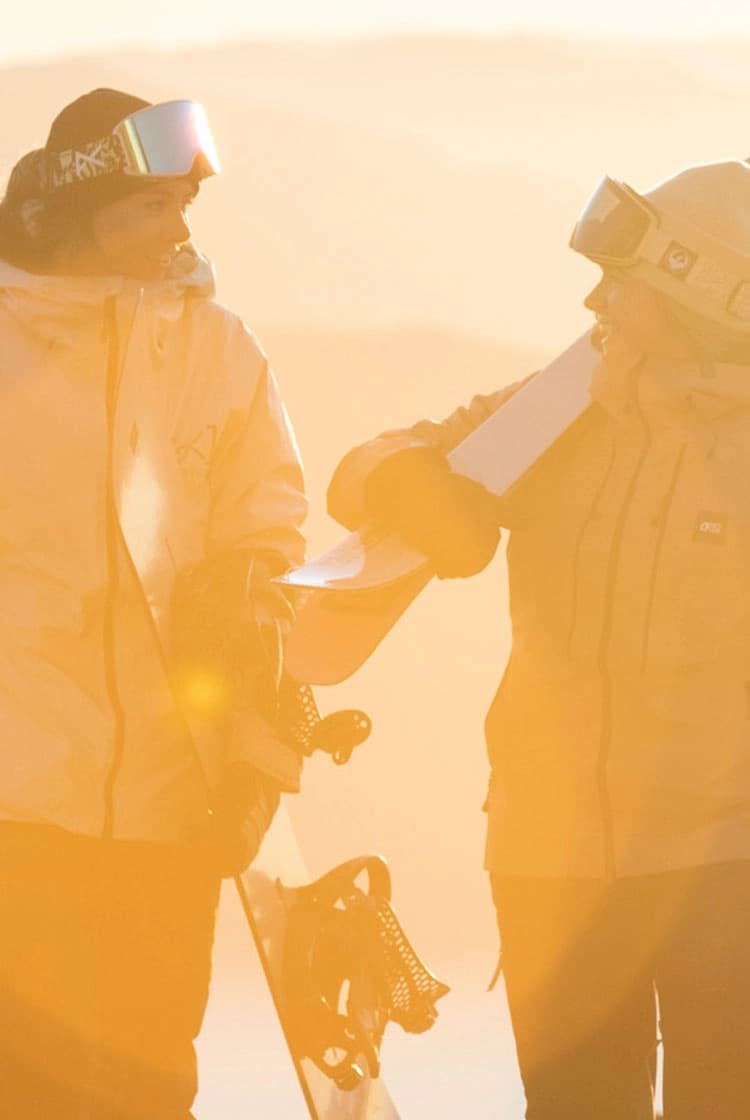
688, 236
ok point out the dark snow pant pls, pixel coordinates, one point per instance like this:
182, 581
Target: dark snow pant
105, 953
583, 963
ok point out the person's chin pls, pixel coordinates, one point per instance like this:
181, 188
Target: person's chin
150, 270
617, 348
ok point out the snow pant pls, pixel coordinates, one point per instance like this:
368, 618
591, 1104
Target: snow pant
105, 957
583, 963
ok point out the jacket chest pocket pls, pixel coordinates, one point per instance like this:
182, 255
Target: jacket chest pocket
193, 458
193, 454
193, 473
701, 585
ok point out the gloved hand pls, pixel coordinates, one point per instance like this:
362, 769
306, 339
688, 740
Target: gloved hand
222, 613
244, 807
448, 517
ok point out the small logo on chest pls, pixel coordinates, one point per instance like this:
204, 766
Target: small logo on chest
710, 527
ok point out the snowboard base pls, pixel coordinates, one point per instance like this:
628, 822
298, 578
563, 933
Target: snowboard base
322, 643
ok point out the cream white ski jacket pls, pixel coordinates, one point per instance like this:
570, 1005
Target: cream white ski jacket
141, 432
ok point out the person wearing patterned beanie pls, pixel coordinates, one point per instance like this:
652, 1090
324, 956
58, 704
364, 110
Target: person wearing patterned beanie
145, 452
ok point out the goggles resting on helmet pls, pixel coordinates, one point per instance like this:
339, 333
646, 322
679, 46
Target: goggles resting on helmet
620, 229
161, 141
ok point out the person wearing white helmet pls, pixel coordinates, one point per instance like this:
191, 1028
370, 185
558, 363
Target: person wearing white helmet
151, 485
619, 739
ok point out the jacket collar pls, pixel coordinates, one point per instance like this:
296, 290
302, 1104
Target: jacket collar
667, 392
60, 308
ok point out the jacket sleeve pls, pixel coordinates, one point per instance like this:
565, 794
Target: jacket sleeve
346, 491
257, 487
257, 505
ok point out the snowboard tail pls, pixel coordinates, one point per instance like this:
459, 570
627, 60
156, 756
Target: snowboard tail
268, 892
338, 631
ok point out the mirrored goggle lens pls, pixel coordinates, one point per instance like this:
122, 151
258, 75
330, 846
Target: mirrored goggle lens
612, 225
167, 140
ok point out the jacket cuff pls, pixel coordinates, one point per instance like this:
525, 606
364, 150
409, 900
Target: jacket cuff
253, 740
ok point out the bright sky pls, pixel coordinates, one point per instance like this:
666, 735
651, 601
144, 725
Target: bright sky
47, 27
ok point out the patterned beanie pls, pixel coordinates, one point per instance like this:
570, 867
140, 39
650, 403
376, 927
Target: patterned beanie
92, 117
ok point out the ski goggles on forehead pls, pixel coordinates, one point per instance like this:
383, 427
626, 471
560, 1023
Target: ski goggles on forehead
613, 224
162, 141
620, 229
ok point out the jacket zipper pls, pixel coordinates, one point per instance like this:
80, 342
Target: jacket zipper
115, 537
661, 521
113, 574
605, 803
592, 513
168, 674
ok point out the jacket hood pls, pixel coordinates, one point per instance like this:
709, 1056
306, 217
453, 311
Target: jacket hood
60, 307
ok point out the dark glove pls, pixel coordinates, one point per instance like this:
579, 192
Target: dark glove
244, 808
448, 517
218, 612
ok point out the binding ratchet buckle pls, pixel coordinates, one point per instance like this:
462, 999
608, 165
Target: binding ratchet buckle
301, 725
349, 969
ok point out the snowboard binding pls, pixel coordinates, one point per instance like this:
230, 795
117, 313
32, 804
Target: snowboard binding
349, 969
300, 724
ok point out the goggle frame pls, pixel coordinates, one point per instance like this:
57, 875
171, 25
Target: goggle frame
136, 148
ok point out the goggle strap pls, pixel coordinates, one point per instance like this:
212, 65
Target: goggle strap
729, 295
682, 260
672, 230
89, 161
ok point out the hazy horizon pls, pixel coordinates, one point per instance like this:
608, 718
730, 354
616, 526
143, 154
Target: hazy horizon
43, 31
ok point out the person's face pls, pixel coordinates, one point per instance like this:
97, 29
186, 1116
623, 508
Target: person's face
630, 318
139, 235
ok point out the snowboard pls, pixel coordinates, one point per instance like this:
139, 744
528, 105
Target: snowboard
357, 591
264, 890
